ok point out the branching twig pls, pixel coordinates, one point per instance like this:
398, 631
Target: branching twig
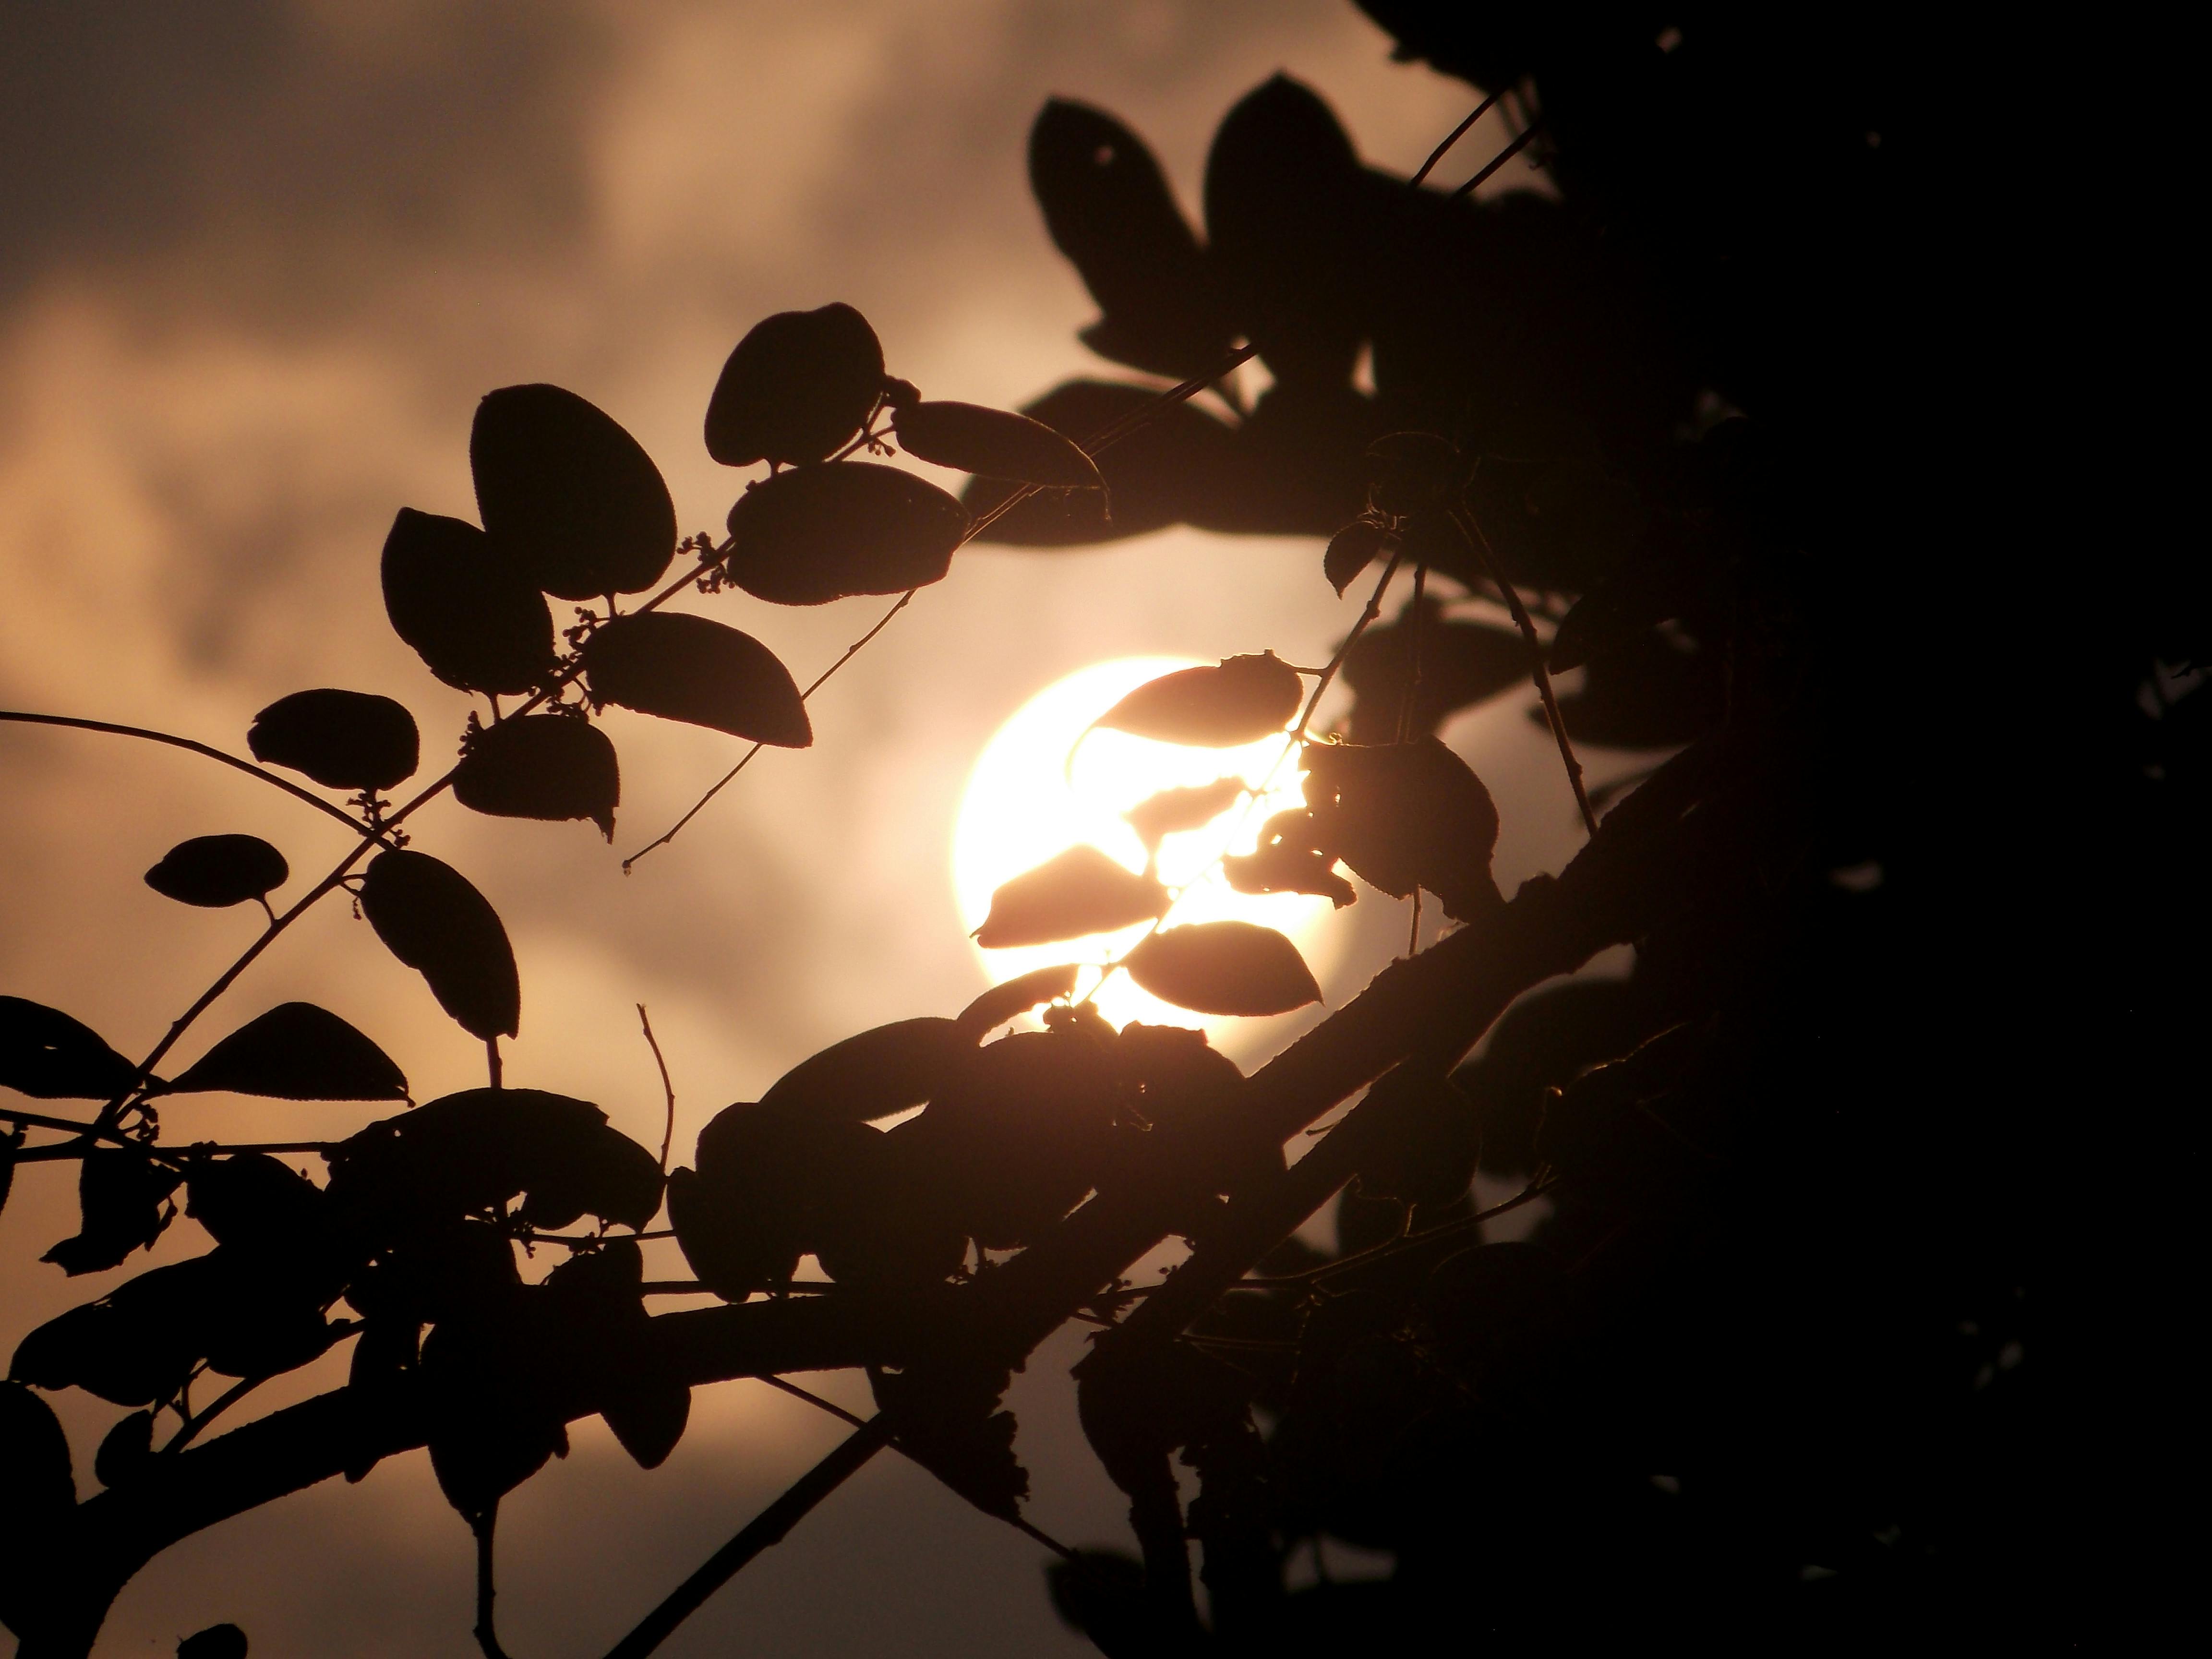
1500, 158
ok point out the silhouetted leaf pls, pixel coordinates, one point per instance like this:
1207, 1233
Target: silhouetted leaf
1406, 815
687, 668
1110, 211
96, 1348
11, 1142
1428, 1156
341, 740
993, 443
296, 1051
1282, 190
1297, 468
1289, 858
1353, 549
1015, 996
216, 871
489, 1427
1652, 692
568, 497
119, 1193
772, 1184
435, 922
1413, 472
1246, 698
945, 1422
874, 1074
1071, 895
465, 605
216, 1642
45, 1053
1174, 811
1102, 1592
597, 1171
253, 1200
1158, 474
125, 1450
815, 534
541, 766
1461, 664
1224, 968
796, 387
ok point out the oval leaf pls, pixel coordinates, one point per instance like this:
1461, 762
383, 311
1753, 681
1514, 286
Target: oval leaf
796, 387
874, 1075
435, 922
1224, 968
216, 1642
119, 1195
1289, 858
471, 615
1405, 816
567, 496
1075, 893
295, 1051
36, 1493
993, 443
1110, 211
819, 533
1017, 996
541, 766
341, 740
1459, 664
1158, 474
214, 872
45, 1053
1176, 811
1353, 549
1245, 699
687, 668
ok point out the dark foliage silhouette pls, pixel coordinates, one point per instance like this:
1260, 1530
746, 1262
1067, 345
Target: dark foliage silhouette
1774, 1371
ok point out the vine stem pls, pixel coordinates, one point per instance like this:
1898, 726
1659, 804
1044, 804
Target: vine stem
1456, 135
667, 1087
251, 771
1500, 158
1480, 543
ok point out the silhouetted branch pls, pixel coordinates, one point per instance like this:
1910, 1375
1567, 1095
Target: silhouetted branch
1453, 137
1500, 158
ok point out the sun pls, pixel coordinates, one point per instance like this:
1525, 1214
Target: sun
1027, 800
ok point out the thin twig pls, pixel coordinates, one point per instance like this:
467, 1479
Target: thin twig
1398, 1246
1501, 158
667, 1088
769, 1528
1479, 545
222, 1403
1457, 133
188, 745
483, 1524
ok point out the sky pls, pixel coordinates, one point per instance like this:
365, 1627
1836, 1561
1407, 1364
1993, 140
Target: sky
260, 259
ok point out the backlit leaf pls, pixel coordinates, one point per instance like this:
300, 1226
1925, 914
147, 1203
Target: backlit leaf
1159, 474
1353, 549
438, 924
468, 610
874, 1075
1289, 858
541, 766
819, 534
994, 443
690, 669
796, 387
216, 871
126, 1451
1224, 968
45, 1053
253, 1200
1015, 996
1406, 815
119, 1195
1074, 893
296, 1051
567, 497
1110, 211
1174, 811
341, 740
1246, 698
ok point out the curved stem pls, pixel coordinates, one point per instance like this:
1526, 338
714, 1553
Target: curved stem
1453, 137
191, 747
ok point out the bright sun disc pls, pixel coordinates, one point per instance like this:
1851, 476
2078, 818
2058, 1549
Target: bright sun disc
1024, 803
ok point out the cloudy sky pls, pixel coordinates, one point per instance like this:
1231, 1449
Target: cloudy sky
260, 259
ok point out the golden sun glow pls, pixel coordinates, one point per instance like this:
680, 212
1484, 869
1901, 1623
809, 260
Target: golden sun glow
1025, 801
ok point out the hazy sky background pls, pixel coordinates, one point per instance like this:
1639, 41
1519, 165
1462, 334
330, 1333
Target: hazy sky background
258, 262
